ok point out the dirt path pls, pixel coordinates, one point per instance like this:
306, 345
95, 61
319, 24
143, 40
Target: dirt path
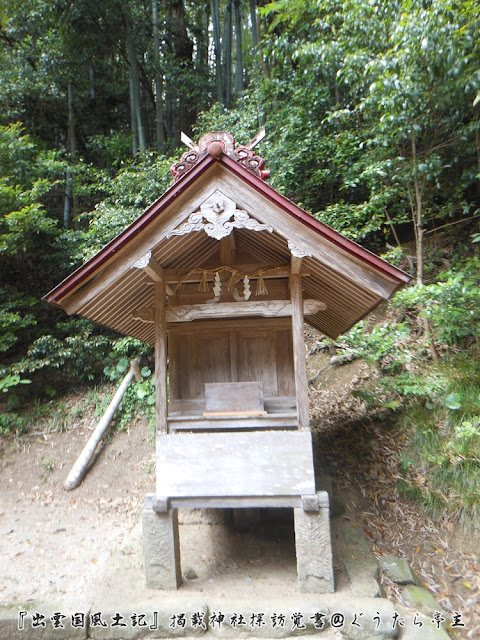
54, 541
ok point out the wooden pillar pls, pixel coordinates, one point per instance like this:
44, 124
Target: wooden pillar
301, 385
227, 249
160, 355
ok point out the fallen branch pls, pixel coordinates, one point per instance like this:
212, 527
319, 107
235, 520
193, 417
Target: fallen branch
317, 375
346, 357
80, 467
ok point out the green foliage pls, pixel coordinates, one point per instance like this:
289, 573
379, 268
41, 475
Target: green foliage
383, 344
452, 304
9, 385
137, 185
242, 123
370, 105
15, 316
112, 151
11, 423
444, 446
76, 357
26, 179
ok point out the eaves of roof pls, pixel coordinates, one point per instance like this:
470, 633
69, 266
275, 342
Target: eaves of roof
92, 266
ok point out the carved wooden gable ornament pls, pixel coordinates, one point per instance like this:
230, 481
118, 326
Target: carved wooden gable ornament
218, 216
220, 228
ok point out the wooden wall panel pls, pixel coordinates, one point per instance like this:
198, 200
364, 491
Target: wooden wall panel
225, 351
284, 357
256, 360
180, 368
210, 362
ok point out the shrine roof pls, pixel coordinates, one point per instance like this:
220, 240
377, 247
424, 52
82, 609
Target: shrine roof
348, 278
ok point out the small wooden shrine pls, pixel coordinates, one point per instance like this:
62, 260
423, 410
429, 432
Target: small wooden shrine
219, 275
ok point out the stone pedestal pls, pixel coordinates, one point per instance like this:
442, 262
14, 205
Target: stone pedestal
314, 550
162, 549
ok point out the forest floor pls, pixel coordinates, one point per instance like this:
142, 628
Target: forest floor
362, 454
55, 542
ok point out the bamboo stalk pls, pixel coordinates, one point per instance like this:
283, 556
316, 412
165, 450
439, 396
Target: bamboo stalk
80, 467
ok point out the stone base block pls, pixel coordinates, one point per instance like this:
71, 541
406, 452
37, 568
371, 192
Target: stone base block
314, 551
162, 549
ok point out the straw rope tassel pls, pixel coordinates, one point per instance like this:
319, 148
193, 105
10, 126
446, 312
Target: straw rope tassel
203, 282
231, 280
261, 288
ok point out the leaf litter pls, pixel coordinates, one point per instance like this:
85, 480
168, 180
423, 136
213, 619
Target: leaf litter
362, 453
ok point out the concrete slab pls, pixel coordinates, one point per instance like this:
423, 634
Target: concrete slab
246, 588
398, 570
42, 621
420, 627
360, 563
421, 600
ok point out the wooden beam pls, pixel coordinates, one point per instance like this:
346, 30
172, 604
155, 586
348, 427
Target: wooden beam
264, 308
155, 271
227, 249
161, 505
296, 265
256, 138
188, 142
234, 464
228, 324
301, 385
172, 276
160, 356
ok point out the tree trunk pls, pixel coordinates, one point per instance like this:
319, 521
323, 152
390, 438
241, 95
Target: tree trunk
202, 68
215, 9
72, 150
80, 467
67, 208
256, 39
419, 233
72, 141
239, 51
159, 130
180, 45
133, 116
135, 98
227, 54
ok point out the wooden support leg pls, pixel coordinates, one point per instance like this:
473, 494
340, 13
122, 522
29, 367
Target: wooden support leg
301, 385
162, 549
314, 550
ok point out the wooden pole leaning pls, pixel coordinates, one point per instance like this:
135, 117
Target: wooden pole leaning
301, 384
80, 467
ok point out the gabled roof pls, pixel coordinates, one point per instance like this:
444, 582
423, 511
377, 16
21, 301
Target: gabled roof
349, 279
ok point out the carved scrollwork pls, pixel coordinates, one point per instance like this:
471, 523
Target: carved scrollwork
143, 261
298, 252
215, 218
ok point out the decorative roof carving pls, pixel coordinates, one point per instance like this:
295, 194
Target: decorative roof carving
218, 143
215, 218
298, 252
142, 262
